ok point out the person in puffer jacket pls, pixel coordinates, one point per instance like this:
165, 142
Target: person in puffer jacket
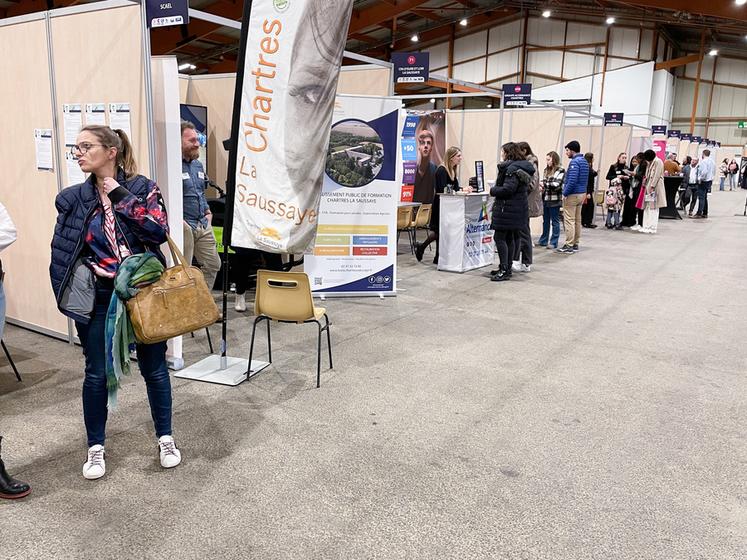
510, 210
574, 194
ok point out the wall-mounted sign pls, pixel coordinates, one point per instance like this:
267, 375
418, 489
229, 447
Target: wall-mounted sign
674, 134
740, 124
613, 119
686, 137
517, 95
697, 139
659, 129
162, 13
410, 68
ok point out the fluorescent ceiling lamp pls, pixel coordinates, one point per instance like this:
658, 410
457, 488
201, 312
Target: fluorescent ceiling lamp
187, 66
610, 20
415, 38
489, 105
741, 2
713, 52
433, 99
546, 13
463, 23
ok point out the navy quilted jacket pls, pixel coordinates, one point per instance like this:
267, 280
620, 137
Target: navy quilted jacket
75, 205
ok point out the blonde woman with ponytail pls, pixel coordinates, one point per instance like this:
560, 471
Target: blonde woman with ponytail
115, 213
447, 179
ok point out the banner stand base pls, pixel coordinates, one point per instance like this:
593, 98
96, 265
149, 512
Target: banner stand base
209, 370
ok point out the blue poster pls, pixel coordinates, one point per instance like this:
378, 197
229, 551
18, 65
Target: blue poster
409, 149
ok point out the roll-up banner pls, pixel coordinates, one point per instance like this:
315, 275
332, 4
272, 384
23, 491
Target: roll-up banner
356, 243
423, 148
289, 62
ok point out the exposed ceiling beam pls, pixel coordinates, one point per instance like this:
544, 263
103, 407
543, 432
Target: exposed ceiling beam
724, 9
427, 14
675, 62
379, 13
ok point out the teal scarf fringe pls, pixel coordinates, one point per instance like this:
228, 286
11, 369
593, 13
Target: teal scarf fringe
135, 272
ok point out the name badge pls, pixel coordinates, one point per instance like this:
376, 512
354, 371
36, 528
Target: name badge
185, 176
200, 174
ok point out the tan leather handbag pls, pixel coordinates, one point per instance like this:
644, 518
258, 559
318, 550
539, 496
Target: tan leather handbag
177, 303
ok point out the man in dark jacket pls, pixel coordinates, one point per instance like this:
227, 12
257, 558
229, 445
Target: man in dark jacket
574, 193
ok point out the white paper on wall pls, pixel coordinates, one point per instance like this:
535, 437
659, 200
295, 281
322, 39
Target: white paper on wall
119, 117
96, 113
73, 121
43, 141
74, 174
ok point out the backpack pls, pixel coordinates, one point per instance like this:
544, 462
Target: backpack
610, 198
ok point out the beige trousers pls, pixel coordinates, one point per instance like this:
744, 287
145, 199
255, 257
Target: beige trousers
572, 205
200, 244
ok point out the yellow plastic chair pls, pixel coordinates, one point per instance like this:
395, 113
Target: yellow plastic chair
421, 221
285, 297
404, 223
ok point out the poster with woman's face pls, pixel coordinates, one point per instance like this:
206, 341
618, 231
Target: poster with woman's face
293, 55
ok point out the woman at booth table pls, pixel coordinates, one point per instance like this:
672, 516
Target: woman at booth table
113, 214
510, 210
447, 178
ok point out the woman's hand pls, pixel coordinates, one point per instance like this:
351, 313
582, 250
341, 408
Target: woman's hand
110, 184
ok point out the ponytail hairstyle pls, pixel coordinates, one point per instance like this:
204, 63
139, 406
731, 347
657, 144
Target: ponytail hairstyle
116, 139
450, 168
550, 170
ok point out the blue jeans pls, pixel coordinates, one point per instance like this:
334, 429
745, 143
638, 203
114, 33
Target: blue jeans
613, 218
151, 360
721, 186
551, 215
703, 197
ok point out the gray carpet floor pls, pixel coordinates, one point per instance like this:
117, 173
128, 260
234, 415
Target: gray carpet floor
591, 409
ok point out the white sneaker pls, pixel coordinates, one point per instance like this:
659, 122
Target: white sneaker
635, 228
525, 268
516, 266
240, 304
170, 456
95, 466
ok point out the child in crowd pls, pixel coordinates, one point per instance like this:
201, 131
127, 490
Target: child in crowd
613, 200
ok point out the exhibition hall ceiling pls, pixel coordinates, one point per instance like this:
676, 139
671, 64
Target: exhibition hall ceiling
379, 27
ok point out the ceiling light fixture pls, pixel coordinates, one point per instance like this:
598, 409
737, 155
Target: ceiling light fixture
187, 66
463, 22
489, 105
433, 99
610, 20
741, 2
713, 52
546, 13
415, 38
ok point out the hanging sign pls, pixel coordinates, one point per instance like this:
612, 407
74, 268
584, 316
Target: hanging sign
410, 68
613, 119
289, 63
674, 134
659, 129
696, 139
517, 95
163, 13
686, 137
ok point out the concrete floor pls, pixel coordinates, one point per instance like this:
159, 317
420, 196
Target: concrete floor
592, 409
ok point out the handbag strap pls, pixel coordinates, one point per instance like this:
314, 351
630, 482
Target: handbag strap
177, 255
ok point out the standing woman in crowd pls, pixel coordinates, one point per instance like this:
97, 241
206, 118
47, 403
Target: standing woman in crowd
619, 170
523, 250
115, 213
447, 180
628, 215
552, 199
723, 172
587, 212
636, 215
510, 210
655, 195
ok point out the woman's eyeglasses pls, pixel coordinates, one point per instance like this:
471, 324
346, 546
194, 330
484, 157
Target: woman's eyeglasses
83, 148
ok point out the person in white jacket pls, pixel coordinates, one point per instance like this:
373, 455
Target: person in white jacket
9, 488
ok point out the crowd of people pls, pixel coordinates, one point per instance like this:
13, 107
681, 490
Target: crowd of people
632, 198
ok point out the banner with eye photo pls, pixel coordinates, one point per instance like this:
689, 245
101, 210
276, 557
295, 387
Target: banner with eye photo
356, 243
289, 62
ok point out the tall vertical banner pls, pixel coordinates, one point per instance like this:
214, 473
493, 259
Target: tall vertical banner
289, 63
356, 243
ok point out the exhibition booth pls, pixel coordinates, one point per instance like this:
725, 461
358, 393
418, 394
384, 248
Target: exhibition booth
106, 75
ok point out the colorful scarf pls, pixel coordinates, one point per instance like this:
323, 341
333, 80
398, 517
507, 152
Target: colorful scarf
135, 272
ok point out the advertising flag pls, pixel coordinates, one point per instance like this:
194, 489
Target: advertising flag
290, 57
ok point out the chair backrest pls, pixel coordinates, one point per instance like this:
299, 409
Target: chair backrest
423, 217
404, 215
284, 296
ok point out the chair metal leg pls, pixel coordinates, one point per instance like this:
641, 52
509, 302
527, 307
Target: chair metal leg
269, 342
10, 360
210, 342
318, 353
329, 342
251, 347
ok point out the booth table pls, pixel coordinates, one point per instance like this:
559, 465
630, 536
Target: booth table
671, 185
465, 240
